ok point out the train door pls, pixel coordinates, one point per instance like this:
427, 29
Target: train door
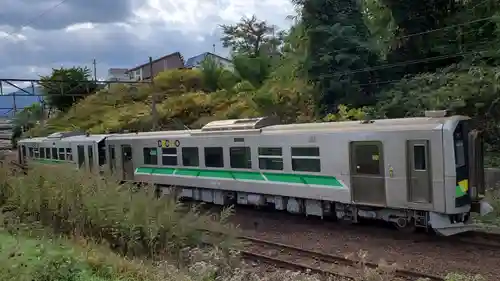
127, 163
80, 150
419, 185
367, 173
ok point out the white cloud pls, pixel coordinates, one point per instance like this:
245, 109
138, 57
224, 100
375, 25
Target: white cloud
155, 28
79, 26
13, 37
204, 16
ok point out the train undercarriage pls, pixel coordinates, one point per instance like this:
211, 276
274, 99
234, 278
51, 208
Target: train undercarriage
405, 220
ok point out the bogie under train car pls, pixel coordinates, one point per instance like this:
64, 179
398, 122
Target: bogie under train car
414, 172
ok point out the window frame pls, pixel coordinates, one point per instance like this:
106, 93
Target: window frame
270, 157
170, 155
355, 156
221, 156
247, 153
415, 166
306, 157
149, 149
69, 154
61, 151
197, 156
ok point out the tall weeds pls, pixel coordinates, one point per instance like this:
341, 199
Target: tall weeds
130, 218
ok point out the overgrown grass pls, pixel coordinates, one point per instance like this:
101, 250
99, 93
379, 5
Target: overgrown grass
25, 258
131, 219
154, 239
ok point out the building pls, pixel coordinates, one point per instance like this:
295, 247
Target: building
196, 61
170, 61
118, 74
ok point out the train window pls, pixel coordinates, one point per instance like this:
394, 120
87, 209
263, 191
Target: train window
47, 153
306, 159
90, 152
419, 158
459, 153
150, 155
30, 151
214, 157
190, 157
61, 154
270, 158
367, 159
69, 154
169, 156
42, 153
240, 157
305, 151
54, 153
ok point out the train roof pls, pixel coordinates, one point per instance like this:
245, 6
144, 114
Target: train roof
252, 125
33, 140
399, 124
86, 138
56, 137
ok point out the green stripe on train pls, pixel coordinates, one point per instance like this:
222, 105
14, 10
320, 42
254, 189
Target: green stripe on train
244, 175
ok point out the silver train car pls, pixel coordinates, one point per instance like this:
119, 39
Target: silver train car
424, 172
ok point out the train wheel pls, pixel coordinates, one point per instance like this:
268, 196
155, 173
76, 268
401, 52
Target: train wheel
405, 226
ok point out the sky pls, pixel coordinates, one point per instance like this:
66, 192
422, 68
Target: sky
38, 35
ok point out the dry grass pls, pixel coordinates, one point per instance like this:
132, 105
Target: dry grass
95, 213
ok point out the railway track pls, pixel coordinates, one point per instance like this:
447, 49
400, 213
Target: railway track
295, 258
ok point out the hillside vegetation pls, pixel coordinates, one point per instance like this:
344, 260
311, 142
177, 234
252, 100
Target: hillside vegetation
346, 60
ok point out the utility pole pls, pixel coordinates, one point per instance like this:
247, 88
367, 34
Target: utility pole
154, 112
214, 47
95, 69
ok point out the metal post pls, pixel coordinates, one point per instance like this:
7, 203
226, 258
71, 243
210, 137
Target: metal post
95, 70
154, 112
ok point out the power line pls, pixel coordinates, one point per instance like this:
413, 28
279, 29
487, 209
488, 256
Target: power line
445, 27
404, 63
37, 17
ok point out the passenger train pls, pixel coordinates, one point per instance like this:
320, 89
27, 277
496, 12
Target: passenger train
424, 172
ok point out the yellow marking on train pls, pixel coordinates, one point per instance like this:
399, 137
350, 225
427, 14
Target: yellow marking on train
464, 185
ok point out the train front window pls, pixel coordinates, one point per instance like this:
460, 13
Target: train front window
459, 145
459, 153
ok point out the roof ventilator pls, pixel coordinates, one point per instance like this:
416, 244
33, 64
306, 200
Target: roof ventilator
61, 135
435, 113
239, 125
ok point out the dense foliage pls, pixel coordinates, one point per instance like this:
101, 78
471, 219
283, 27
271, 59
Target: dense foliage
339, 60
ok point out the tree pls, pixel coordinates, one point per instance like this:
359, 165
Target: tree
338, 44
26, 119
66, 86
251, 37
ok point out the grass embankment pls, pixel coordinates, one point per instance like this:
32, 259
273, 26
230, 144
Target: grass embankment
182, 100
60, 224
25, 258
